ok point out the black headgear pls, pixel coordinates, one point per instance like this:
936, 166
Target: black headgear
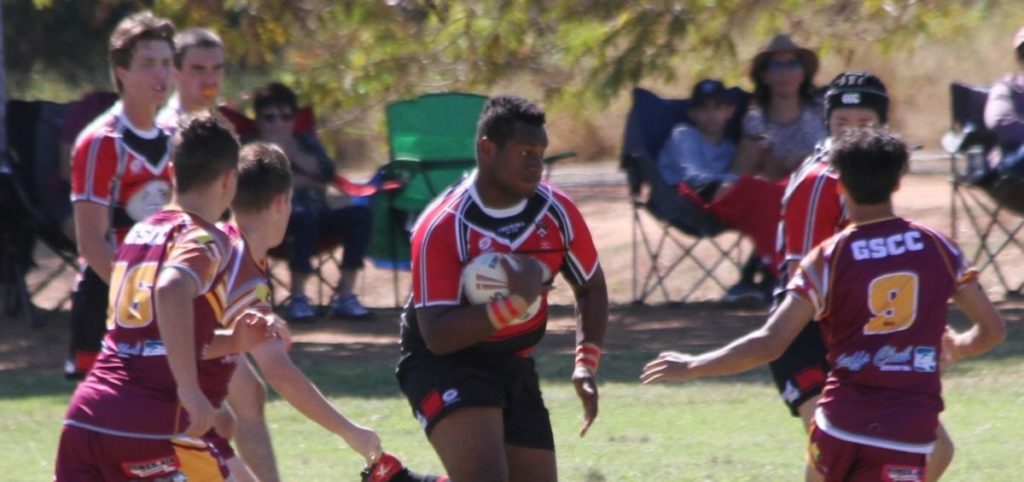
857, 89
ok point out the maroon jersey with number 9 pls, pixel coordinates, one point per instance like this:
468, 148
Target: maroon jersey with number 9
880, 291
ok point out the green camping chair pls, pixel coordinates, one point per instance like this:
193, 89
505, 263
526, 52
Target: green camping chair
432, 140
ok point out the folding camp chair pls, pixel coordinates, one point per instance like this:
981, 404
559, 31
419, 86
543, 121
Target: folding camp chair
432, 142
678, 244
991, 204
36, 203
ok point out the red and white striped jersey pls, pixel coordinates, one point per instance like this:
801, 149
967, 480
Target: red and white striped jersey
457, 227
812, 209
117, 165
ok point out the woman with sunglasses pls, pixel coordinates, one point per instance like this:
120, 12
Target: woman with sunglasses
313, 220
784, 121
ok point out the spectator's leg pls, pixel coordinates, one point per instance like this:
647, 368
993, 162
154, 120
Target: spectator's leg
303, 236
354, 224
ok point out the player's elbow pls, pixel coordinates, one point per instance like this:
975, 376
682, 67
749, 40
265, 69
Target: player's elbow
995, 334
768, 348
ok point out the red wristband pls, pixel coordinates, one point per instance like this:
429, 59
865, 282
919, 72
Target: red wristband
588, 355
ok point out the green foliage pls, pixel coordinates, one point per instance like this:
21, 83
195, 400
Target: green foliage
354, 54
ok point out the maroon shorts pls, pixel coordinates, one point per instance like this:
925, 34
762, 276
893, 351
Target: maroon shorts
842, 461
86, 456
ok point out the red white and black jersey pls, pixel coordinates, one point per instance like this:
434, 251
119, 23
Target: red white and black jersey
457, 227
812, 209
130, 391
880, 291
117, 165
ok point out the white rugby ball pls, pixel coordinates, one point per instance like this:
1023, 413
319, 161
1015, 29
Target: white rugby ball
484, 280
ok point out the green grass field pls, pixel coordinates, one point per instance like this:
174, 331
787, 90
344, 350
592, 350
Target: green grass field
731, 429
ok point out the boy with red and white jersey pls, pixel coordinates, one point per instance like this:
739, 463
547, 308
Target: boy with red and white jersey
141, 412
879, 290
120, 171
466, 369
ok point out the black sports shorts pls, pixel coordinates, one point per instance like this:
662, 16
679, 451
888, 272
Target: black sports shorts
438, 385
801, 371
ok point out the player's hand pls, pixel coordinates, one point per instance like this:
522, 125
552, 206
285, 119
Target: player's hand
950, 352
253, 328
366, 442
586, 389
201, 413
670, 366
224, 422
524, 275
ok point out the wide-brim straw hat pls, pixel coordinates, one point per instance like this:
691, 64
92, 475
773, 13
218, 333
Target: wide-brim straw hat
782, 43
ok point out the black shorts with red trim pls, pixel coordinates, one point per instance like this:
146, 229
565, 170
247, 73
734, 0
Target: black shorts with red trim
801, 371
438, 385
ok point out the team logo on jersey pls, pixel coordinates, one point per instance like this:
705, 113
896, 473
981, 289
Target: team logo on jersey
485, 243
890, 359
853, 361
135, 166
542, 228
926, 359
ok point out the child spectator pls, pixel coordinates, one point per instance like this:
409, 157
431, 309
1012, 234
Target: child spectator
698, 153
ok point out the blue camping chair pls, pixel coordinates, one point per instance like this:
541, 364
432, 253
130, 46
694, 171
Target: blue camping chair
991, 202
680, 237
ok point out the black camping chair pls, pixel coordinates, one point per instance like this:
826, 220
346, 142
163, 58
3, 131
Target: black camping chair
669, 237
992, 204
37, 203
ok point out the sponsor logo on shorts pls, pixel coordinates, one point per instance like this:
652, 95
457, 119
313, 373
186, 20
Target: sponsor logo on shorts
891, 359
902, 473
149, 468
450, 396
853, 361
926, 359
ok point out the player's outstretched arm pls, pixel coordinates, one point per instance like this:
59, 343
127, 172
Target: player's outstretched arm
174, 293
285, 378
591, 328
447, 329
753, 350
989, 327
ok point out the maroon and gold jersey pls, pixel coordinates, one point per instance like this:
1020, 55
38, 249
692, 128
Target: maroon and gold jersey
812, 209
119, 166
246, 286
130, 391
457, 227
880, 291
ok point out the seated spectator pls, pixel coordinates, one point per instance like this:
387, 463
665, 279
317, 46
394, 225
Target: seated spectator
699, 154
784, 121
313, 220
1004, 115
698, 159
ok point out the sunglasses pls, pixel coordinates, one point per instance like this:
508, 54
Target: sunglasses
780, 65
271, 117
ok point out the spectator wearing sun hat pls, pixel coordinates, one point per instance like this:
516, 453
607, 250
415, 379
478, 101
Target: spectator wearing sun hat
784, 121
